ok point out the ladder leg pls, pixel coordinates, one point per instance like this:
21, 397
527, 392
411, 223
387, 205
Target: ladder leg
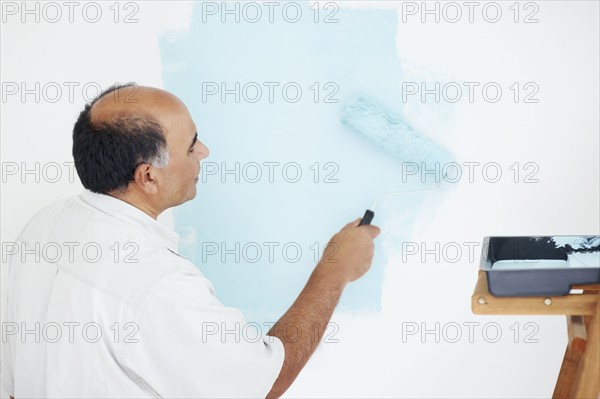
568, 376
588, 378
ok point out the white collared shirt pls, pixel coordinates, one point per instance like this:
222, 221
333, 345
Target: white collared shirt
100, 304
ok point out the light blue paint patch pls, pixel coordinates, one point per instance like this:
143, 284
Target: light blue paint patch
242, 232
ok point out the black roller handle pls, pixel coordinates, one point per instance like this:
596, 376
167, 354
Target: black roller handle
369, 215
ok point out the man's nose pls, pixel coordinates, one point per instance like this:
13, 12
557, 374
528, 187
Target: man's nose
204, 152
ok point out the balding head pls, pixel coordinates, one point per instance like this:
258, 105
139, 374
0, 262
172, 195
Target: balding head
134, 100
138, 136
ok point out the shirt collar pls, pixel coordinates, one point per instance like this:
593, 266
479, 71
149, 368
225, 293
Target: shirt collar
132, 215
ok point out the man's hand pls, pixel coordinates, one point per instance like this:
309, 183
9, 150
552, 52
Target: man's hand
350, 251
346, 258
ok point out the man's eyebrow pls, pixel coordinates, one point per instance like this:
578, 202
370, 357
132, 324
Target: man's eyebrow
194, 141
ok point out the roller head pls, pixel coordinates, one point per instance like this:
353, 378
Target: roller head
390, 132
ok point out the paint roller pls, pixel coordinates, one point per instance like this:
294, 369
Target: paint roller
388, 131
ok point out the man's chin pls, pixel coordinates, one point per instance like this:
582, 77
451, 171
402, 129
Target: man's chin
192, 194
188, 197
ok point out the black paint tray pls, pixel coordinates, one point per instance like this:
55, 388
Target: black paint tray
540, 265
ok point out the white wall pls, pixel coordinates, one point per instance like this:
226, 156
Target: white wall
559, 134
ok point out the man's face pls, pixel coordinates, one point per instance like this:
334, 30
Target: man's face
180, 176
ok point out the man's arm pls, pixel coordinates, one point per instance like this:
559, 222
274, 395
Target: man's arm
346, 258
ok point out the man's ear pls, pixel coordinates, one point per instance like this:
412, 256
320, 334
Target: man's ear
145, 178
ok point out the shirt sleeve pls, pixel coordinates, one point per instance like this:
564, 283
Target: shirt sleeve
9, 330
190, 345
7, 386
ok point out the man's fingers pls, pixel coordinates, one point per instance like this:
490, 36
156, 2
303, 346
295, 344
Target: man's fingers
373, 230
353, 223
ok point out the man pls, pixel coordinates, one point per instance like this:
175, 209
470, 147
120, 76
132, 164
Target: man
124, 314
